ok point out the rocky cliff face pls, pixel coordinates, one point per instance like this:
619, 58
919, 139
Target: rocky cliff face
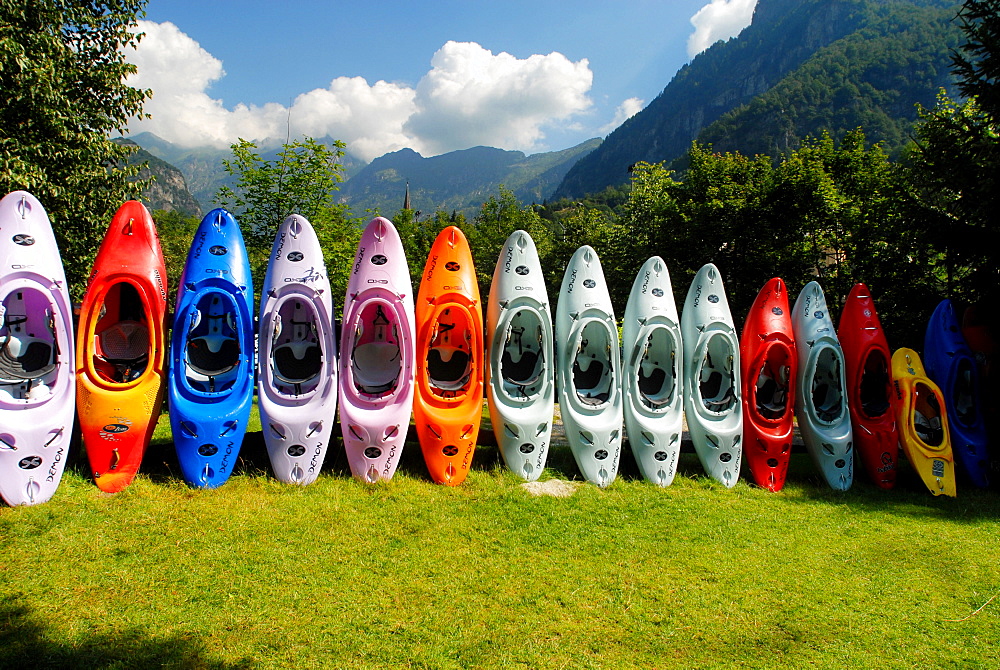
168, 190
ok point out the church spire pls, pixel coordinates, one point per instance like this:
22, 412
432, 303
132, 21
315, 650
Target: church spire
406, 198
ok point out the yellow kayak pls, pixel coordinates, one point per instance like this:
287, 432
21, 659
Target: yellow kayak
923, 423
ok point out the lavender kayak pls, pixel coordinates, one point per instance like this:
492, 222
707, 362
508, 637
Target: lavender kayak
37, 383
297, 355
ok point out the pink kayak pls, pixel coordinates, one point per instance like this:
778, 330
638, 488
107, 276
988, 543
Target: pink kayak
377, 354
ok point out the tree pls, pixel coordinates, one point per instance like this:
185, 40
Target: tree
976, 63
62, 94
302, 179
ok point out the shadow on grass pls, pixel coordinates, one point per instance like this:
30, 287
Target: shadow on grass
26, 641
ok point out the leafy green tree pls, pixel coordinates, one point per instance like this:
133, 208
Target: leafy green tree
419, 234
303, 179
62, 94
498, 217
977, 63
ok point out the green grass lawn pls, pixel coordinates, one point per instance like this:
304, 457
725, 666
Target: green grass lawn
411, 574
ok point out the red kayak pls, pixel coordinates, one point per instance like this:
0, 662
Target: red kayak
120, 348
869, 386
767, 356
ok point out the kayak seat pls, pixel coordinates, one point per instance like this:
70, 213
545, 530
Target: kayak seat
124, 345
213, 355
297, 362
448, 367
587, 375
376, 367
24, 358
525, 371
927, 417
874, 387
651, 387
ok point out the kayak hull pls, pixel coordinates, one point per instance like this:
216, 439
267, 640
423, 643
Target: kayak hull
121, 347
712, 377
589, 369
448, 398
821, 389
37, 383
212, 353
769, 366
520, 379
923, 423
652, 383
869, 387
296, 355
377, 361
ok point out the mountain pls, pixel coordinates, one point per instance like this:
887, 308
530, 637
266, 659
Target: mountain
802, 67
169, 190
459, 180
203, 168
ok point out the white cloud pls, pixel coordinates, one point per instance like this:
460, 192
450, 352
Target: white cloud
625, 111
719, 20
473, 97
470, 96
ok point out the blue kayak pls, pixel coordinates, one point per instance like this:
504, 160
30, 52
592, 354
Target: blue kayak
212, 353
951, 365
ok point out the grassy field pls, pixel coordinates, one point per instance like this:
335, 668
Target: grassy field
411, 574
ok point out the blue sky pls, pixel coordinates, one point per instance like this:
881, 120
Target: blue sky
434, 76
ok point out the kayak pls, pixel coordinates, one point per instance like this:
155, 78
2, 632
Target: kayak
712, 377
448, 403
296, 355
652, 384
520, 377
120, 348
589, 368
949, 362
37, 384
377, 361
923, 423
769, 366
210, 381
869, 387
821, 389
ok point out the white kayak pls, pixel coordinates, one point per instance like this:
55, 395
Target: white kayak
37, 381
821, 389
589, 368
520, 384
297, 355
652, 384
712, 377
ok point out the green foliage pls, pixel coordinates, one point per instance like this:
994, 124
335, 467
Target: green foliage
498, 217
62, 78
977, 64
419, 234
176, 231
302, 179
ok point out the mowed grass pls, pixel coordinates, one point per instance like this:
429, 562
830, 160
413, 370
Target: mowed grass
412, 574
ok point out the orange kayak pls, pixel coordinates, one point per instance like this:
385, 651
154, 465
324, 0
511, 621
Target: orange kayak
120, 348
448, 403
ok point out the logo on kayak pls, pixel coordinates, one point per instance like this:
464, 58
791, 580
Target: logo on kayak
379, 259
658, 292
589, 283
777, 311
818, 314
296, 450
937, 468
526, 448
295, 256
453, 266
24, 239
522, 270
373, 452
115, 428
601, 454
29, 462
713, 298
208, 450
450, 450
218, 250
